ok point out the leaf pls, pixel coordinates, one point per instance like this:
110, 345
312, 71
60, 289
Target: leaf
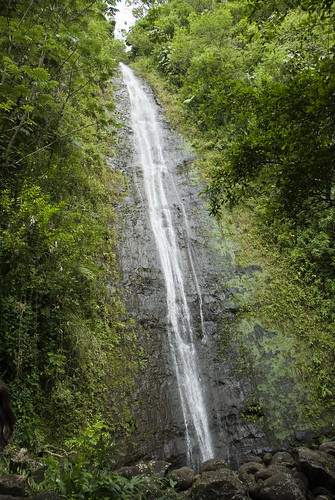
188, 101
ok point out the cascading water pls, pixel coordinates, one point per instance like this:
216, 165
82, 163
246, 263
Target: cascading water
201, 368
158, 182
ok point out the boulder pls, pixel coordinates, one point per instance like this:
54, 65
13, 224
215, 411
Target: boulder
318, 467
301, 480
252, 459
246, 479
328, 447
322, 492
184, 478
159, 468
21, 460
38, 475
140, 468
272, 470
156, 468
253, 491
218, 484
213, 464
251, 468
13, 484
247, 472
281, 486
283, 458
184, 495
267, 458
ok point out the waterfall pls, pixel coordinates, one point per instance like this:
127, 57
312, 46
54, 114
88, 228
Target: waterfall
149, 145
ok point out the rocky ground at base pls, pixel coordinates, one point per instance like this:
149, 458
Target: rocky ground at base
300, 474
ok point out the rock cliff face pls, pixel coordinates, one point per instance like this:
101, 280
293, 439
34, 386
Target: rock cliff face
160, 425
161, 431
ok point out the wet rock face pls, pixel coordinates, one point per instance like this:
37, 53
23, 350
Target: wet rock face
221, 483
160, 422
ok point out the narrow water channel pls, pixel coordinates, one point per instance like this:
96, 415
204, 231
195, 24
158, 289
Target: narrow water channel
158, 182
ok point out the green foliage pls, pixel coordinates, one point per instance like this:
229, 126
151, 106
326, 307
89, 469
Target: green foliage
323, 7
292, 355
252, 413
288, 150
65, 349
271, 89
88, 473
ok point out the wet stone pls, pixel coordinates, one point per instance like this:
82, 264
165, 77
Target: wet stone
281, 486
13, 484
247, 472
328, 447
283, 458
272, 470
184, 478
218, 484
213, 464
267, 458
126, 472
318, 467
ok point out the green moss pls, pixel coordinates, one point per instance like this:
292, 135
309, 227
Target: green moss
274, 333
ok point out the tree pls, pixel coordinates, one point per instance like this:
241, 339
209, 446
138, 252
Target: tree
59, 325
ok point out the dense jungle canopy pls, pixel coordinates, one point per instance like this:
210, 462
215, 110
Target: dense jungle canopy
253, 83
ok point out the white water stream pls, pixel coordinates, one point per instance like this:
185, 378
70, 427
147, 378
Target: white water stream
149, 141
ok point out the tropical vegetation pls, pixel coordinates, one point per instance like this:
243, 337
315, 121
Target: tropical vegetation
252, 84
66, 353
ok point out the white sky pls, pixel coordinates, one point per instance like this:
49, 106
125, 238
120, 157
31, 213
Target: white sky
124, 18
